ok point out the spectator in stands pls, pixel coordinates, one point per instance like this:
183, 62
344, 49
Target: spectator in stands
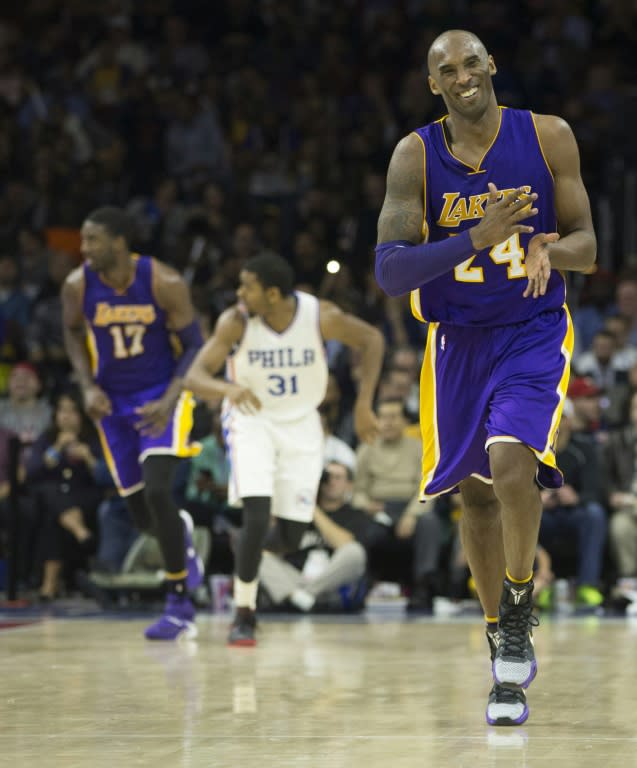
45, 337
201, 487
33, 259
67, 474
626, 300
22, 412
586, 417
407, 540
331, 561
407, 359
595, 302
575, 511
621, 467
600, 363
14, 304
160, 220
335, 448
625, 353
195, 150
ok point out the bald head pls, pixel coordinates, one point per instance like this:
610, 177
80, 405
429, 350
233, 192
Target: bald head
453, 39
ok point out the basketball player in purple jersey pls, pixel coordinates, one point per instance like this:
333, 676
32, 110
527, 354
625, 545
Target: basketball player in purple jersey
122, 313
484, 209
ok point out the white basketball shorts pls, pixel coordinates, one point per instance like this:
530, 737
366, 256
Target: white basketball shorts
282, 460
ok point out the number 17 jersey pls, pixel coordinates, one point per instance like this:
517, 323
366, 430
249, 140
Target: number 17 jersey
287, 371
129, 344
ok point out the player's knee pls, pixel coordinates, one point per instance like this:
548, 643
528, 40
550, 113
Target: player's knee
513, 468
481, 513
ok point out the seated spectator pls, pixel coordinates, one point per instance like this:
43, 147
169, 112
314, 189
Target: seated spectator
617, 407
117, 534
331, 561
407, 541
22, 412
337, 411
620, 454
26, 523
585, 408
67, 474
336, 449
601, 363
32, 256
407, 361
575, 510
14, 307
626, 301
595, 300
625, 356
201, 487
45, 335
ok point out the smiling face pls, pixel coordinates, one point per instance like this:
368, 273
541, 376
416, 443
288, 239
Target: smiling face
460, 70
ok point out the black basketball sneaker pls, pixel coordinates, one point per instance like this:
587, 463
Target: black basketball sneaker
507, 702
514, 660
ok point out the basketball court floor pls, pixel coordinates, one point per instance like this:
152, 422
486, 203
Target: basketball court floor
371, 691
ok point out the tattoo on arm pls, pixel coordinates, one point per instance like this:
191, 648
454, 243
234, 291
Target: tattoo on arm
401, 217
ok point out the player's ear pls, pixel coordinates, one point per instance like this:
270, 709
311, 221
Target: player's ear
272, 294
433, 87
492, 67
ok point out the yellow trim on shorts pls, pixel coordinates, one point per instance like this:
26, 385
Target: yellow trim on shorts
428, 420
547, 456
91, 348
182, 426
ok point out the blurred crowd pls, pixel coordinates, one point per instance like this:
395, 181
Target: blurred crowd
238, 126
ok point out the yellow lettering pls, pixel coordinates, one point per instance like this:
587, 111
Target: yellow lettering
476, 206
105, 314
449, 198
456, 209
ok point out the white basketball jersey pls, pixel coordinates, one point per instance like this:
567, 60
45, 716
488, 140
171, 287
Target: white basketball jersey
287, 371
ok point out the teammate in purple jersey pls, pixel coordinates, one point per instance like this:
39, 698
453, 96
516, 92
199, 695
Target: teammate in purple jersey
122, 312
483, 209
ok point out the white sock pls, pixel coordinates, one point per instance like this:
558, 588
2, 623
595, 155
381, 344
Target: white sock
245, 593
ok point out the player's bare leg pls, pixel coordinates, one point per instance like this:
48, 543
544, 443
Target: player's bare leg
513, 468
482, 538
481, 533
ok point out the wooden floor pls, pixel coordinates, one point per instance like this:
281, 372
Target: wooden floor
372, 692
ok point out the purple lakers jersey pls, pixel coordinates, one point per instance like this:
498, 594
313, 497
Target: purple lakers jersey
129, 344
487, 288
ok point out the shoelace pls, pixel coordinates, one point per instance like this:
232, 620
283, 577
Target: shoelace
514, 626
508, 695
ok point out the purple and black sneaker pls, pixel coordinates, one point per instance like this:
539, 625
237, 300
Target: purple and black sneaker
176, 622
507, 703
194, 564
514, 661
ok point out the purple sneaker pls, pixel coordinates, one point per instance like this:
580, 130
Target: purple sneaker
194, 564
177, 620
